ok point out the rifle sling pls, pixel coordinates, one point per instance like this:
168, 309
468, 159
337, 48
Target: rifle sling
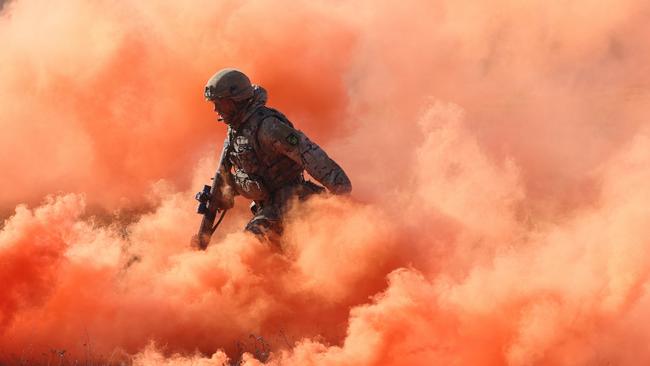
212, 230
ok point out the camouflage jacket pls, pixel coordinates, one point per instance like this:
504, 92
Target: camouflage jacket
266, 152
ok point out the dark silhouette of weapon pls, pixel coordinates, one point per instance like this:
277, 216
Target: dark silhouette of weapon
211, 203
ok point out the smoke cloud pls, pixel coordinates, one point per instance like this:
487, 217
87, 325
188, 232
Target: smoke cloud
499, 153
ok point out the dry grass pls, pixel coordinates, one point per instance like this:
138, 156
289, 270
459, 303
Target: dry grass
256, 346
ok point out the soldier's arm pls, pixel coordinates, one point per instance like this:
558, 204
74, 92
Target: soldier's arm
227, 188
279, 137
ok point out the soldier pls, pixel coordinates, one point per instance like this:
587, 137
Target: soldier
264, 156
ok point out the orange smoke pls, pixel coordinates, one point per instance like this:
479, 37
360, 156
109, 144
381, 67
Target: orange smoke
499, 155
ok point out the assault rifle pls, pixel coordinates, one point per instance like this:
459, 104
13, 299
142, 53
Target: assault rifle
212, 202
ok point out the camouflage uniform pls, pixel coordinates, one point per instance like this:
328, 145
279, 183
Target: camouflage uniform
266, 157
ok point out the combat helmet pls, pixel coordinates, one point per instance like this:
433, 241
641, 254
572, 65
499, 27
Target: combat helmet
229, 83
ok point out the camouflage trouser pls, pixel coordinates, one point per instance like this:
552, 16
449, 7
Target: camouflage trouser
267, 222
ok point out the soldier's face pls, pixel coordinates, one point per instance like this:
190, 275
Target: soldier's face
225, 107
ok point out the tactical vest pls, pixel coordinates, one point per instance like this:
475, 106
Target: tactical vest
272, 169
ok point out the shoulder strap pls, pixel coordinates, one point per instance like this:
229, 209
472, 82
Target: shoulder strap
279, 115
267, 112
